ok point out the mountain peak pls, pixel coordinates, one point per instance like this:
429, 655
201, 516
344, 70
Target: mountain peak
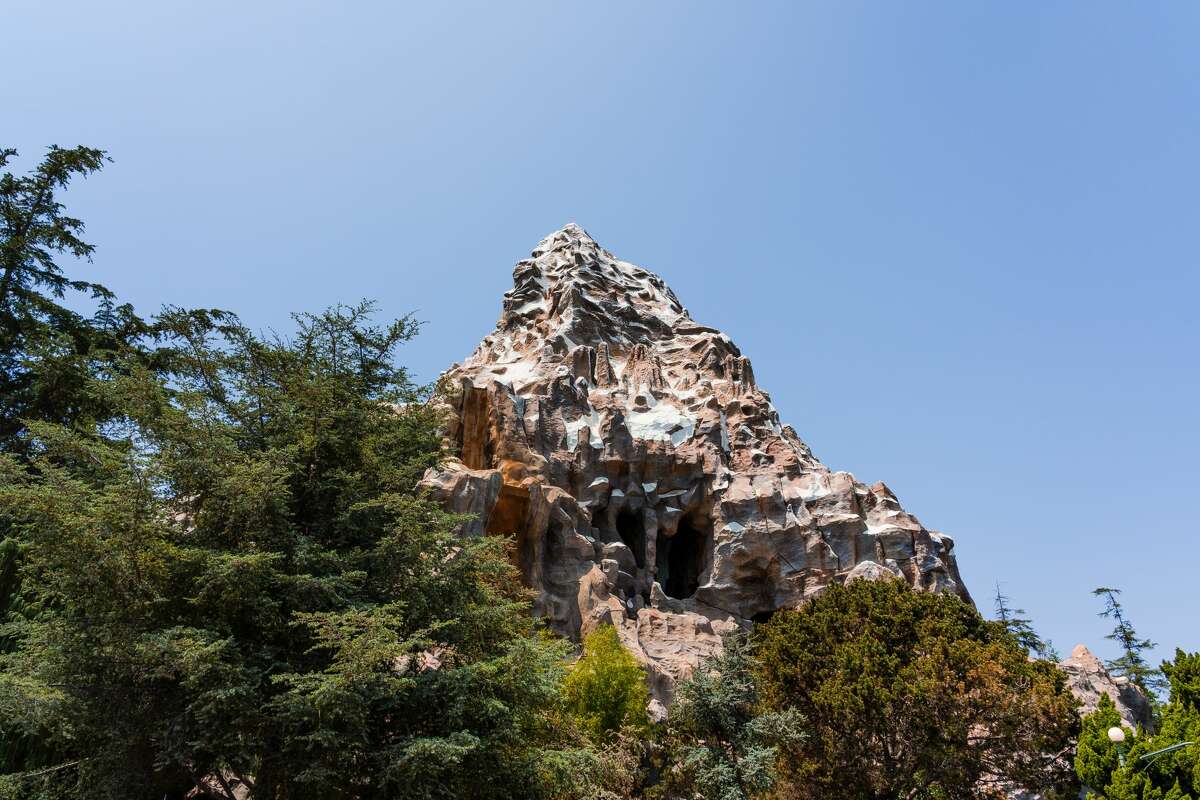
571, 290
645, 474
569, 235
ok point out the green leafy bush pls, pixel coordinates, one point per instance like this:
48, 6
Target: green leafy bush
605, 689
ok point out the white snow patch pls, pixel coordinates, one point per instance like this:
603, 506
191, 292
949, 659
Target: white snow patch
535, 304
515, 373
662, 422
592, 421
734, 527
814, 491
649, 487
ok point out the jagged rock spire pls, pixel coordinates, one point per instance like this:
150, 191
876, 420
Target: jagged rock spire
647, 478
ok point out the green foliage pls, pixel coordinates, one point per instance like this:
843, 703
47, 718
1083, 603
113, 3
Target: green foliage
1095, 756
48, 352
1169, 776
911, 694
726, 746
235, 578
605, 690
1132, 661
611, 770
1020, 628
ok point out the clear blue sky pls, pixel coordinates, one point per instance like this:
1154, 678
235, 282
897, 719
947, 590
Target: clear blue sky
959, 240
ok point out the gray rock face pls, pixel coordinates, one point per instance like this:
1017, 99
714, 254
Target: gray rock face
647, 478
1089, 680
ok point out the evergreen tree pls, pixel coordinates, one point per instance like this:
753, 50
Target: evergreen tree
727, 747
1021, 628
913, 695
47, 350
48, 354
234, 583
1132, 661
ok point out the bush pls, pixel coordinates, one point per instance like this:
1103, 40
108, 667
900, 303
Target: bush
911, 694
605, 690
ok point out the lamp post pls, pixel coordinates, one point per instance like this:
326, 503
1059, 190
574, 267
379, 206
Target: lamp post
1116, 735
1150, 757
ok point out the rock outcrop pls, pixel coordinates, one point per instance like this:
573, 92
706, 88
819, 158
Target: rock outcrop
646, 477
1089, 680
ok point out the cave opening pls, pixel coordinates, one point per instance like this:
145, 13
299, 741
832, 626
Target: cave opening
509, 518
632, 530
681, 559
762, 617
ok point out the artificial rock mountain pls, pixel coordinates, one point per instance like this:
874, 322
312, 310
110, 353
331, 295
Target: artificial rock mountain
646, 478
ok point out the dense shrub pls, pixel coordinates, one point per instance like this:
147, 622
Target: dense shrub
911, 694
606, 688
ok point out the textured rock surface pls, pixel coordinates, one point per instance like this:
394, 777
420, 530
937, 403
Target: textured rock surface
646, 477
1088, 680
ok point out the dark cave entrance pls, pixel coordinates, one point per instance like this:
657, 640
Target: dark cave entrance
762, 617
632, 529
681, 559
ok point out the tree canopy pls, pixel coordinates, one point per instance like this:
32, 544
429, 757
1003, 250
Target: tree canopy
49, 350
606, 687
235, 580
911, 695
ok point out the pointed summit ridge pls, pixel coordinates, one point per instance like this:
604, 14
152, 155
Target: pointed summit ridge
647, 478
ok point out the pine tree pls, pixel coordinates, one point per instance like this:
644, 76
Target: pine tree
1173, 775
1021, 628
239, 584
727, 746
49, 354
1131, 663
47, 350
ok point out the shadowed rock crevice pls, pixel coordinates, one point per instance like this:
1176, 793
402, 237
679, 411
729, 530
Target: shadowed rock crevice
682, 558
631, 527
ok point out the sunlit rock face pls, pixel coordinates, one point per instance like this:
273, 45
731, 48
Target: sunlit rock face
1088, 680
646, 477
